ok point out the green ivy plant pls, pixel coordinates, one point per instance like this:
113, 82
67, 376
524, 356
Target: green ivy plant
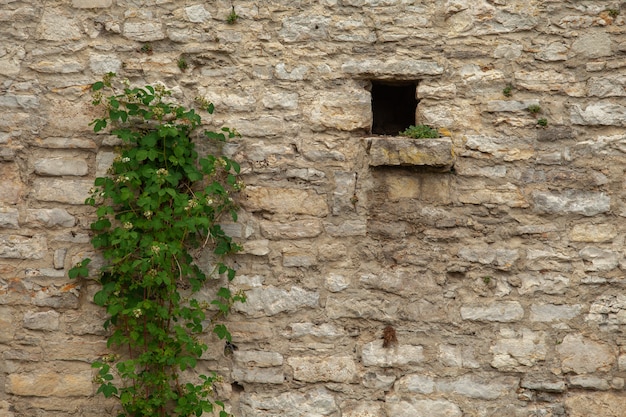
420, 132
159, 201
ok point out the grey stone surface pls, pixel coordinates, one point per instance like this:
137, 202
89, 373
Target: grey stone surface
571, 201
315, 402
323, 369
581, 355
374, 354
502, 311
400, 151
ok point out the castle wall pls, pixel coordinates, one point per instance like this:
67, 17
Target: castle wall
495, 253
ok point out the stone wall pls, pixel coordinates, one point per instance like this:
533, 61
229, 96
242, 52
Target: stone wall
495, 253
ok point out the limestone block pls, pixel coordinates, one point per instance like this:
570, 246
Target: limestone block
597, 404
76, 349
613, 86
554, 312
581, 355
197, 13
66, 143
551, 81
304, 28
299, 229
362, 409
62, 190
399, 151
58, 259
49, 384
346, 228
501, 258
280, 100
422, 384
336, 282
373, 307
323, 369
271, 300
374, 354
143, 31
315, 402
506, 148
598, 114
9, 218
513, 349
297, 73
258, 358
554, 51
499, 311
504, 194
284, 200
589, 382
22, 247
274, 375
58, 66
11, 186
343, 110
296, 257
45, 320
458, 356
594, 44
324, 330
55, 26
548, 283
7, 328
596, 233
586, 203
61, 166
23, 101
608, 311
91, 4
259, 247
378, 381
510, 105
50, 217
598, 259
104, 63
397, 407
411, 69
480, 387
540, 383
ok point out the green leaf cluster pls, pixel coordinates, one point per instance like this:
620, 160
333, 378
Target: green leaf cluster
420, 132
159, 201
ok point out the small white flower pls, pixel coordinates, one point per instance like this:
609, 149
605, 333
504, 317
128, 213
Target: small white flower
162, 171
209, 201
137, 313
125, 159
148, 214
127, 225
155, 249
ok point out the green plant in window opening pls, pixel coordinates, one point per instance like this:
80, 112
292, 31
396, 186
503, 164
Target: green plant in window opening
159, 202
420, 132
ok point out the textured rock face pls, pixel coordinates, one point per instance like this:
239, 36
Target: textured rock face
494, 253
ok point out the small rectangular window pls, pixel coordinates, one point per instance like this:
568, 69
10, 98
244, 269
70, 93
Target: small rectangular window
393, 106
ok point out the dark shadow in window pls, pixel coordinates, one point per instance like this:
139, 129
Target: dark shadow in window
393, 105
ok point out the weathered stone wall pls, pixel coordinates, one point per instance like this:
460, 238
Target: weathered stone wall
495, 253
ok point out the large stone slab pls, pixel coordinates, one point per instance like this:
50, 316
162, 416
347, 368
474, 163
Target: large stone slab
401, 151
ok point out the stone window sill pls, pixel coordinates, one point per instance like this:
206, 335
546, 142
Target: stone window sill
407, 152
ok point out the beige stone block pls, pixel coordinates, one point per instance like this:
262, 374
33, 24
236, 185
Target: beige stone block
50, 384
323, 369
581, 355
62, 190
597, 404
11, 186
298, 229
23, 247
91, 4
285, 201
411, 152
593, 233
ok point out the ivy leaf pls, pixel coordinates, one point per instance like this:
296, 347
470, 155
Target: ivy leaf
97, 86
222, 332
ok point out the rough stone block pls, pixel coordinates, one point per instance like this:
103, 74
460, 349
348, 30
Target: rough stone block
271, 300
143, 31
304, 28
410, 69
91, 4
50, 384
484, 388
362, 409
62, 190
458, 356
399, 151
554, 312
257, 358
323, 369
9, 218
315, 402
548, 283
61, 166
22, 247
571, 201
593, 233
345, 110
597, 404
11, 186
501, 311
55, 26
499, 257
374, 354
45, 320
598, 114
598, 259
581, 355
421, 384
7, 328
415, 407
516, 349
274, 375
298, 229
50, 217
285, 200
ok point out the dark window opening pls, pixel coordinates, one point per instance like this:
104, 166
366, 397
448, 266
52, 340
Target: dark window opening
393, 106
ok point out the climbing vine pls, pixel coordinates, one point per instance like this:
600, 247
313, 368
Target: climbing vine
159, 202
